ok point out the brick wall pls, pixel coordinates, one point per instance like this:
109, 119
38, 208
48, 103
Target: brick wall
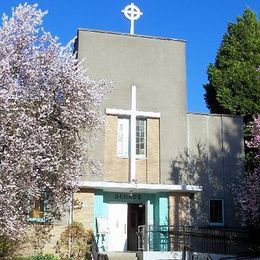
179, 209
83, 211
117, 169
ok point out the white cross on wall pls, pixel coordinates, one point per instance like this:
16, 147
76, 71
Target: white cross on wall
133, 113
132, 13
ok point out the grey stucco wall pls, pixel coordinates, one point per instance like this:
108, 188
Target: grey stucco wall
216, 153
157, 68
196, 149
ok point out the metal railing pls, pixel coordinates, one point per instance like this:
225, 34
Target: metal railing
195, 239
95, 254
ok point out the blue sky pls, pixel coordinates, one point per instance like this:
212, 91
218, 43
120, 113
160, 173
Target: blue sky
201, 23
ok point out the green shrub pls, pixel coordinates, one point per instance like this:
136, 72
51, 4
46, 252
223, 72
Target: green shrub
44, 257
37, 257
6, 246
77, 240
21, 258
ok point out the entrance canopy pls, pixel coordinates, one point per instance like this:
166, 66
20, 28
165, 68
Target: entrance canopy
139, 187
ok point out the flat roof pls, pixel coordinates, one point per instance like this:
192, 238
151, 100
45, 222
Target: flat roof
132, 35
208, 114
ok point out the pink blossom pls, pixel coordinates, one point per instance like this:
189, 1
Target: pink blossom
46, 100
248, 194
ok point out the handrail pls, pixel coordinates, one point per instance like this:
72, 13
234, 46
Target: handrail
96, 255
196, 256
197, 239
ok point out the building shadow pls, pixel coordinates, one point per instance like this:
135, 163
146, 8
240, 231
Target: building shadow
216, 166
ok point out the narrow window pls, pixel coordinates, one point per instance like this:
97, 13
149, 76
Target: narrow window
140, 137
123, 137
216, 212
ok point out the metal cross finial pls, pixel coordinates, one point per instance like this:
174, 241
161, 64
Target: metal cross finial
132, 13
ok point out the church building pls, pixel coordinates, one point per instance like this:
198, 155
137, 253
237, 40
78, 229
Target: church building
161, 165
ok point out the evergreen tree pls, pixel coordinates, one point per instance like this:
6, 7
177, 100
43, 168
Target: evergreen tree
234, 78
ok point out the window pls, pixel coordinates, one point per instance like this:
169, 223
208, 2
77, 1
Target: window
123, 137
37, 209
216, 212
140, 137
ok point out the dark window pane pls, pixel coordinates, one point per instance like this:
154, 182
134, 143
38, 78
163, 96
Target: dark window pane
216, 214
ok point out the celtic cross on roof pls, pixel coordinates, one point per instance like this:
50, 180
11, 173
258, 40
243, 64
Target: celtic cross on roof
132, 13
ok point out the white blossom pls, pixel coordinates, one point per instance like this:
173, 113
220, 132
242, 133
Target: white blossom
46, 100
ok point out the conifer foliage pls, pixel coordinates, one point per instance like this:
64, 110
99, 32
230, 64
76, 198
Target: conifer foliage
234, 78
46, 100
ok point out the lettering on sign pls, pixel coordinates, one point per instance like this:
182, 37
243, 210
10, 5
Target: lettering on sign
126, 196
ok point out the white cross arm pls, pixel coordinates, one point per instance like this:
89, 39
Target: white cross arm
122, 112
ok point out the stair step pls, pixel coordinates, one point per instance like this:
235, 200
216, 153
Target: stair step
121, 255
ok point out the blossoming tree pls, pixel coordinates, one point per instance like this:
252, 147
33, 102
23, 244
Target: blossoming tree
46, 103
248, 195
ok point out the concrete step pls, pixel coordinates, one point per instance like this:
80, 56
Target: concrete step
121, 255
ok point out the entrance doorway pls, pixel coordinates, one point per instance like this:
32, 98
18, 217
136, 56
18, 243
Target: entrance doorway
117, 221
136, 217
123, 221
